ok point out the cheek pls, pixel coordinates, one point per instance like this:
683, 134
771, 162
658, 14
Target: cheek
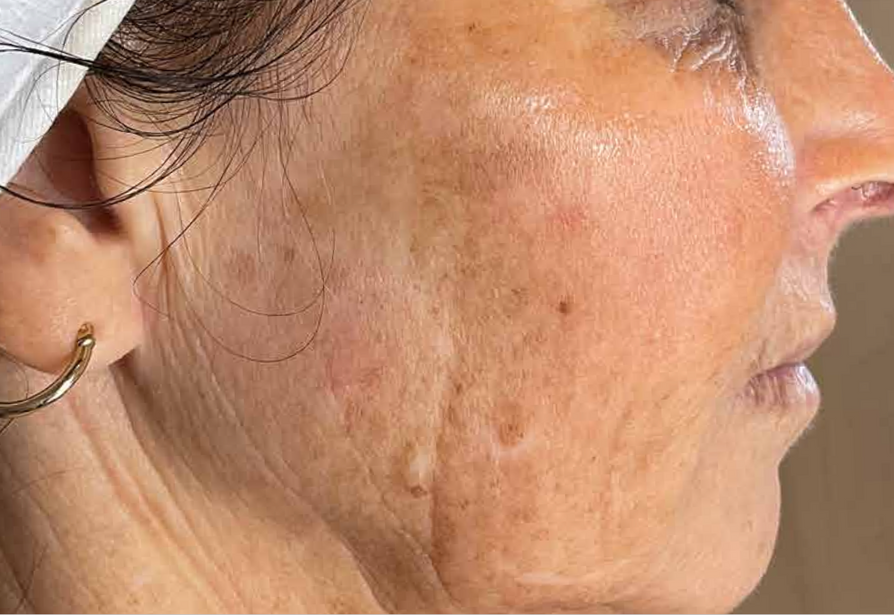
693, 248
605, 298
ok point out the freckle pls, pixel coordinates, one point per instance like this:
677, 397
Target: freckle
523, 515
520, 295
418, 491
565, 307
511, 427
511, 434
243, 268
472, 27
453, 417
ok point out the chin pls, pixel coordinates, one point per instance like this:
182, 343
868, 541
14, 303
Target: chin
718, 556
749, 558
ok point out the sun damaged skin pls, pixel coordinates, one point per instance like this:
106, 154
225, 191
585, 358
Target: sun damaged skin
549, 245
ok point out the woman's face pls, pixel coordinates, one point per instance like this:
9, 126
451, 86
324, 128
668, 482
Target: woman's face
568, 233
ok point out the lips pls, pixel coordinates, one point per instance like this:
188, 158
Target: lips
787, 382
779, 377
785, 387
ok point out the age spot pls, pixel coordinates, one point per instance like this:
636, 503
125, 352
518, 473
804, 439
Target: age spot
511, 428
565, 307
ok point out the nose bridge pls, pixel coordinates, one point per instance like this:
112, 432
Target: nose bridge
833, 92
824, 72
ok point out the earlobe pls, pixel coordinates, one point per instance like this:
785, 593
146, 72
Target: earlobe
63, 268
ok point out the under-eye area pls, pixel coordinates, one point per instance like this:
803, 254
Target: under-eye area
722, 41
694, 35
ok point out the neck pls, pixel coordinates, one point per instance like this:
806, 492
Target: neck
96, 517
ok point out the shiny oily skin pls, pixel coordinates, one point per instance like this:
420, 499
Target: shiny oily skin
565, 243
611, 276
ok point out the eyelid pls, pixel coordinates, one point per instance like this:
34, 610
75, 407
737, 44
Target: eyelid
653, 18
733, 4
716, 37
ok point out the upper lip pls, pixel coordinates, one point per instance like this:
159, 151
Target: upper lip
801, 349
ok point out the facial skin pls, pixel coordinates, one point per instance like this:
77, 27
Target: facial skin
557, 240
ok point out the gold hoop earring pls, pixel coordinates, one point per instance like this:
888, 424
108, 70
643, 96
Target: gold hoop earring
62, 385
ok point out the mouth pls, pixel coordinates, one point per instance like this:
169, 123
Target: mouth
784, 382
788, 384
787, 387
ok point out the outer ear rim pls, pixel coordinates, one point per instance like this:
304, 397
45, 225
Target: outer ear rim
64, 267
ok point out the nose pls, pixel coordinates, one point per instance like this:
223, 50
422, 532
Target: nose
836, 97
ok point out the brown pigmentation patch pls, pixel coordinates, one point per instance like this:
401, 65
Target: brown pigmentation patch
565, 307
511, 425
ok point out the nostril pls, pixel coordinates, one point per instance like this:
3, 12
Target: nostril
874, 193
877, 200
873, 199
861, 201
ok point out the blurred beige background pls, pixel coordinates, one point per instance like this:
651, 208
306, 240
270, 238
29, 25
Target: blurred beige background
836, 544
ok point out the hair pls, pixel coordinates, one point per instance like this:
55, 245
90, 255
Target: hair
178, 72
174, 69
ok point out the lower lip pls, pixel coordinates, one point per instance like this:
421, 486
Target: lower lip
787, 387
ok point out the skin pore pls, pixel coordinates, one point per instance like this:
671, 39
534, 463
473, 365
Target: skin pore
542, 247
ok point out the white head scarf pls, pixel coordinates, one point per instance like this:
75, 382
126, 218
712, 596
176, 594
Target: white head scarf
33, 88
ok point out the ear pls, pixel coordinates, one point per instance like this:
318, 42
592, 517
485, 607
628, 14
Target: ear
59, 268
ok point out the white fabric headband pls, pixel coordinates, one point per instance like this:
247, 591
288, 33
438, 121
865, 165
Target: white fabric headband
35, 88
